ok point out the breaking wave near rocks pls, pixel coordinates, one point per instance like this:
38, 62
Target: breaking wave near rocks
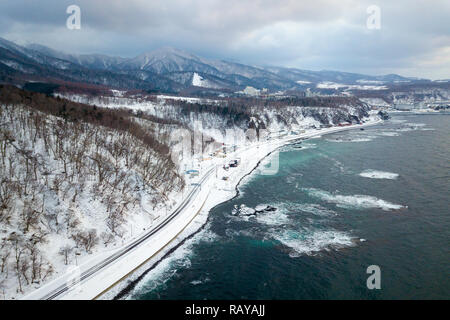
168, 268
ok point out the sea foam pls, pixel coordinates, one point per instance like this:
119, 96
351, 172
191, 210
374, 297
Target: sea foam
169, 266
313, 241
375, 174
276, 218
316, 209
357, 201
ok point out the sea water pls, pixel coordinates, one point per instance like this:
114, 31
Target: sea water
344, 202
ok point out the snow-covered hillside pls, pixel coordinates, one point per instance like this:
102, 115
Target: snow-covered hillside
217, 117
70, 189
77, 179
420, 96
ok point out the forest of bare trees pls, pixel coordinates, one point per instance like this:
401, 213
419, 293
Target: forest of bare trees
58, 158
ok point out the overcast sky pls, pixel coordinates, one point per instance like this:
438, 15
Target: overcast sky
414, 38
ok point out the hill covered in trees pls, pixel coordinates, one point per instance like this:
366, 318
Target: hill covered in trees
73, 178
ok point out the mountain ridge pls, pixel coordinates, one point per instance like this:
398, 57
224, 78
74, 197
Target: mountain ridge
165, 69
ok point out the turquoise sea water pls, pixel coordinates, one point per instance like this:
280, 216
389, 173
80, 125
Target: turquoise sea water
344, 201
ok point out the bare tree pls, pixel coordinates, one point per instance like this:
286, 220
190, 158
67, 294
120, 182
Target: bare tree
6, 196
91, 239
107, 238
65, 251
5, 252
18, 251
30, 216
86, 239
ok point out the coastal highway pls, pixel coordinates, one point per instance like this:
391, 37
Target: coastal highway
96, 277
59, 287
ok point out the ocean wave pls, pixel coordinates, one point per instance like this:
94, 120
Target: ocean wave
315, 209
298, 147
352, 139
336, 164
270, 218
310, 242
273, 218
164, 271
397, 120
375, 174
410, 126
202, 280
309, 146
291, 179
405, 129
357, 201
388, 133
169, 266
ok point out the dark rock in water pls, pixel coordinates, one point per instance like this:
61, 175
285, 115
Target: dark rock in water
243, 210
362, 129
262, 208
384, 115
297, 145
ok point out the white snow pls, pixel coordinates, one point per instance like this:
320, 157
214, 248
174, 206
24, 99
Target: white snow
370, 81
198, 81
336, 86
378, 102
16, 66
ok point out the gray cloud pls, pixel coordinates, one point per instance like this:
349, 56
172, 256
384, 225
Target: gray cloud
414, 38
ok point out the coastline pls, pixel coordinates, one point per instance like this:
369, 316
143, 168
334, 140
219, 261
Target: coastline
127, 285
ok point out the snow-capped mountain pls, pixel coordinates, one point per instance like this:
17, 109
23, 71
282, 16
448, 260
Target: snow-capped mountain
93, 61
307, 76
167, 60
173, 71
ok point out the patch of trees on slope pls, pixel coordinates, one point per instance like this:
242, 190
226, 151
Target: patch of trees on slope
243, 112
71, 175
